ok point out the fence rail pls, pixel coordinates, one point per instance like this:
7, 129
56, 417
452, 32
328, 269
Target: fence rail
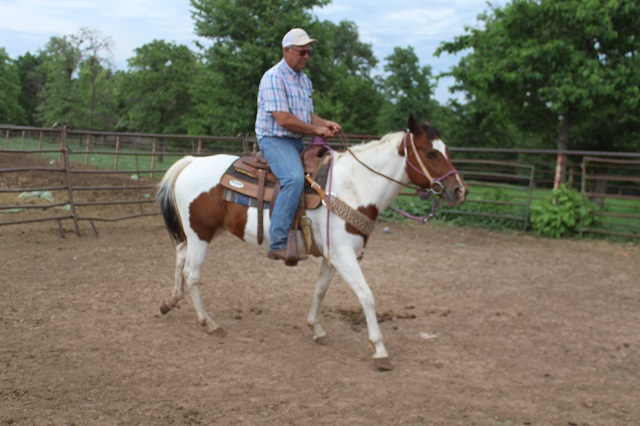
84, 172
619, 216
517, 178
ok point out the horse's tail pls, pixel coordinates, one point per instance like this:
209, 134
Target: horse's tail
165, 199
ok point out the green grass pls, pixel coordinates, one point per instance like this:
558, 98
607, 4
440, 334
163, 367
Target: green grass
78, 156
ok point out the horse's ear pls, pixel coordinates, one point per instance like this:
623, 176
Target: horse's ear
413, 126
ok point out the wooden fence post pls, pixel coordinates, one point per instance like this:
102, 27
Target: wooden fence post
67, 169
63, 144
153, 156
40, 143
86, 151
115, 161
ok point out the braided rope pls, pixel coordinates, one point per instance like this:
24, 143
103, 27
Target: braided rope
352, 216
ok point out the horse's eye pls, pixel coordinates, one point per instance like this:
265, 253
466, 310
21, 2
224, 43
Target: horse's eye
431, 155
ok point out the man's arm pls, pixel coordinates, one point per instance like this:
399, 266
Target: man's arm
318, 127
319, 121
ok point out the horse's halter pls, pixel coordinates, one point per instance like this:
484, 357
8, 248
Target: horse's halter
437, 190
424, 171
426, 192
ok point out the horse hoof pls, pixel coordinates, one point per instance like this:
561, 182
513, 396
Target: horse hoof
164, 309
322, 340
383, 364
218, 332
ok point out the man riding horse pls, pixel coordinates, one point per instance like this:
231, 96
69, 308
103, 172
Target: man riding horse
285, 115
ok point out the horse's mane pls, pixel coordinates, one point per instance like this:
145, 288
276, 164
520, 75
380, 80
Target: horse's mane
388, 138
396, 137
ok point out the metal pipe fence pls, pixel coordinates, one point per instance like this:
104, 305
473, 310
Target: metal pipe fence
500, 177
66, 175
612, 184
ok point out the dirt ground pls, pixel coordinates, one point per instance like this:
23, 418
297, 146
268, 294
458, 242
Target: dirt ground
482, 328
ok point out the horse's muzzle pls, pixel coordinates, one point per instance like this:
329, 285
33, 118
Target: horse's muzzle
455, 195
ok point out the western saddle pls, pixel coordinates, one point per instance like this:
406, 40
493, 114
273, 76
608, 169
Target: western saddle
249, 181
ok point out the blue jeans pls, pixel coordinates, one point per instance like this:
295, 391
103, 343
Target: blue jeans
283, 156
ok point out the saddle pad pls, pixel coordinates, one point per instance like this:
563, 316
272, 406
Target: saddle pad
238, 198
246, 185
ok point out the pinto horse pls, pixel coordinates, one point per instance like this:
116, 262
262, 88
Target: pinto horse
366, 178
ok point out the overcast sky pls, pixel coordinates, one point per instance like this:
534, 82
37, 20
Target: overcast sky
27, 25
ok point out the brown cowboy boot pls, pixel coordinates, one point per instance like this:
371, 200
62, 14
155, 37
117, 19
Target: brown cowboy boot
290, 255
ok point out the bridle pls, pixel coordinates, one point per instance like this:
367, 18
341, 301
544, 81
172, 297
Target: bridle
435, 184
424, 192
423, 170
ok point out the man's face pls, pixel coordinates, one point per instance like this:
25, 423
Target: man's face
297, 56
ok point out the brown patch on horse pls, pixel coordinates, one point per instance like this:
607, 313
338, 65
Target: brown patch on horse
236, 218
370, 211
209, 212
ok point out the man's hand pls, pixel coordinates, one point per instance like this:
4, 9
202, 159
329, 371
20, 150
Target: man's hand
325, 128
329, 129
327, 132
318, 126
334, 127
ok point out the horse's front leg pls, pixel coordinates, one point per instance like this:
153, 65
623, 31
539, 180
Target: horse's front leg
346, 264
324, 279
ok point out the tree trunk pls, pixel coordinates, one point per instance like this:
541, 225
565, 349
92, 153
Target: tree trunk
562, 144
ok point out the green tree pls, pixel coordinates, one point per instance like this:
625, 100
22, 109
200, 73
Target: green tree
95, 82
478, 124
407, 88
341, 72
96, 88
11, 112
59, 61
155, 92
62, 100
31, 81
557, 68
245, 36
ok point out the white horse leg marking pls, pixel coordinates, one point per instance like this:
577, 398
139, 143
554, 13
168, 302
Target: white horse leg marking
347, 266
178, 291
196, 255
324, 279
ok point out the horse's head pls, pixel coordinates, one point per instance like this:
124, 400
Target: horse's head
429, 163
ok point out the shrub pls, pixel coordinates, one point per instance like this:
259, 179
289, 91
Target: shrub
562, 214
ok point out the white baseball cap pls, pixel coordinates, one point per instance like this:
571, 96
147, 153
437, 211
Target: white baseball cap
297, 37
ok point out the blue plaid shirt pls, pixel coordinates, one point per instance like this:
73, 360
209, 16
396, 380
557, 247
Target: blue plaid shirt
283, 90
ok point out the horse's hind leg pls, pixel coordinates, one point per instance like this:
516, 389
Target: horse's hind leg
178, 291
326, 273
196, 254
